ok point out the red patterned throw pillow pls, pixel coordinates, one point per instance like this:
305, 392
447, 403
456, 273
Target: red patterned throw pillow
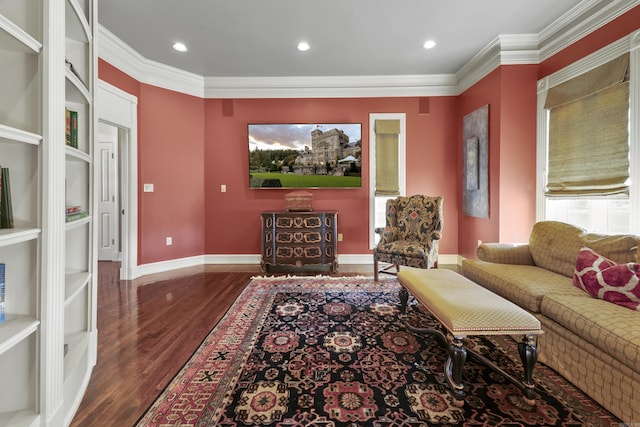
604, 279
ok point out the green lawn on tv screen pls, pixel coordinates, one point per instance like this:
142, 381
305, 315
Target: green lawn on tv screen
292, 180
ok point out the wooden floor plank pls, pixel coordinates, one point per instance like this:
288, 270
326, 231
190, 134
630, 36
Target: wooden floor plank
146, 332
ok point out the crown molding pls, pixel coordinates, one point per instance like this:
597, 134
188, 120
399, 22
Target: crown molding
330, 87
505, 49
577, 23
129, 61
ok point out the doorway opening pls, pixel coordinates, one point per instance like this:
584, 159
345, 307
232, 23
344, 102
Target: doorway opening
116, 178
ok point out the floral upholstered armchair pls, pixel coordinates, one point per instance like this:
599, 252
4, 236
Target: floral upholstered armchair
414, 228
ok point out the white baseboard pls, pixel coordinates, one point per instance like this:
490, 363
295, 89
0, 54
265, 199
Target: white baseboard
250, 259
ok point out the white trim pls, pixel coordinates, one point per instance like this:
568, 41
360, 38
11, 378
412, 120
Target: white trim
512, 49
572, 27
634, 129
126, 59
232, 259
541, 149
254, 259
165, 266
330, 87
120, 108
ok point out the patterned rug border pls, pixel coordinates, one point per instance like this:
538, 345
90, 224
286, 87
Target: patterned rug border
255, 289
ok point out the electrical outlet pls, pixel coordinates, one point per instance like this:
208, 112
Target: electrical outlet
223, 188
339, 237
169, 241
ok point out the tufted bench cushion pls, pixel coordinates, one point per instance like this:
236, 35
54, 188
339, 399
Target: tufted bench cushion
465, 308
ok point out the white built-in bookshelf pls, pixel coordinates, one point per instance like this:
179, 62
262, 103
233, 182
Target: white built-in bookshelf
48, 341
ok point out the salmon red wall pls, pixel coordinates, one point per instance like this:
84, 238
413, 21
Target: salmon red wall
233, 218
472, 229
170, 154
170, 151
510, 92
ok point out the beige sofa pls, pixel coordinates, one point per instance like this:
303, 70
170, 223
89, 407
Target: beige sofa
593, 343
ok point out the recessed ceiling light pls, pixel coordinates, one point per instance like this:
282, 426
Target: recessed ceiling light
429, 44
180, 47
303, 46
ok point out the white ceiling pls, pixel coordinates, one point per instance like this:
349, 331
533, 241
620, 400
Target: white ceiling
258, 38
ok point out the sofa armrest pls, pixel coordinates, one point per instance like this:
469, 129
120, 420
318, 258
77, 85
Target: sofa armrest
505, 253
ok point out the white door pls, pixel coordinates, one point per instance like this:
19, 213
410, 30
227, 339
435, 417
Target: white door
108, 207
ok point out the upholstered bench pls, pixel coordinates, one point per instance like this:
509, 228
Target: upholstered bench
464, 309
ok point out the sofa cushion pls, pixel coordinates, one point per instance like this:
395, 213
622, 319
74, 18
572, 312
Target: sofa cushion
524, 285
604, 279
555, 246
613, 329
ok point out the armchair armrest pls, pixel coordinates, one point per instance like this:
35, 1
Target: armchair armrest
387, 234
505, 253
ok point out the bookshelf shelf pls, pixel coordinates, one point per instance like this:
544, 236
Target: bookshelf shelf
12, 37
75, 283
20, 419
22, 118
80, 322
16, 328
73, 154
10, 134
76, 90
12, 236
78, 343
50, 264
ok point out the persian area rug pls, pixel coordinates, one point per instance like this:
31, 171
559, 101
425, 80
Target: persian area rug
331, 351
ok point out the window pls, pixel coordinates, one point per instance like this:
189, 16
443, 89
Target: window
586, 108
387, 166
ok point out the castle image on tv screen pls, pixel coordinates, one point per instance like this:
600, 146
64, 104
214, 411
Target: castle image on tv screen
305, 155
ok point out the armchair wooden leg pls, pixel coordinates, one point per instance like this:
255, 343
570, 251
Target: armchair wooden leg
375, 270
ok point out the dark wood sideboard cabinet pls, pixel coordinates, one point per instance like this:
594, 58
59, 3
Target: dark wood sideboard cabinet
299, 241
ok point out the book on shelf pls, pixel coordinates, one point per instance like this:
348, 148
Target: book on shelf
1, 292
67, 126
6, 209
73, 209
71, 128
71, 68
75, 215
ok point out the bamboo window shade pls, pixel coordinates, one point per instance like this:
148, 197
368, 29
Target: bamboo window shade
387, 183
589, 133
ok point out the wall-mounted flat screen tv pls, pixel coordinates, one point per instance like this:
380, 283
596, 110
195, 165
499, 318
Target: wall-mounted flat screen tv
326, 155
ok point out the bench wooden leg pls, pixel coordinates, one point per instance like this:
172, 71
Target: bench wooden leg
529, 356
403, 294
453, 370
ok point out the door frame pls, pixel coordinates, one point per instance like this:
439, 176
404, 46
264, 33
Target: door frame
119, 108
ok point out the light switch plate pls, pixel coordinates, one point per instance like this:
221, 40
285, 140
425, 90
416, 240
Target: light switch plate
148, 188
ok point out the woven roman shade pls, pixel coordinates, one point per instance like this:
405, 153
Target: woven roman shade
387, 183
589, 133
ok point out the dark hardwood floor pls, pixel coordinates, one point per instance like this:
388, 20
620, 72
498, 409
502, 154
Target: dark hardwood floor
148, 329
146, 332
